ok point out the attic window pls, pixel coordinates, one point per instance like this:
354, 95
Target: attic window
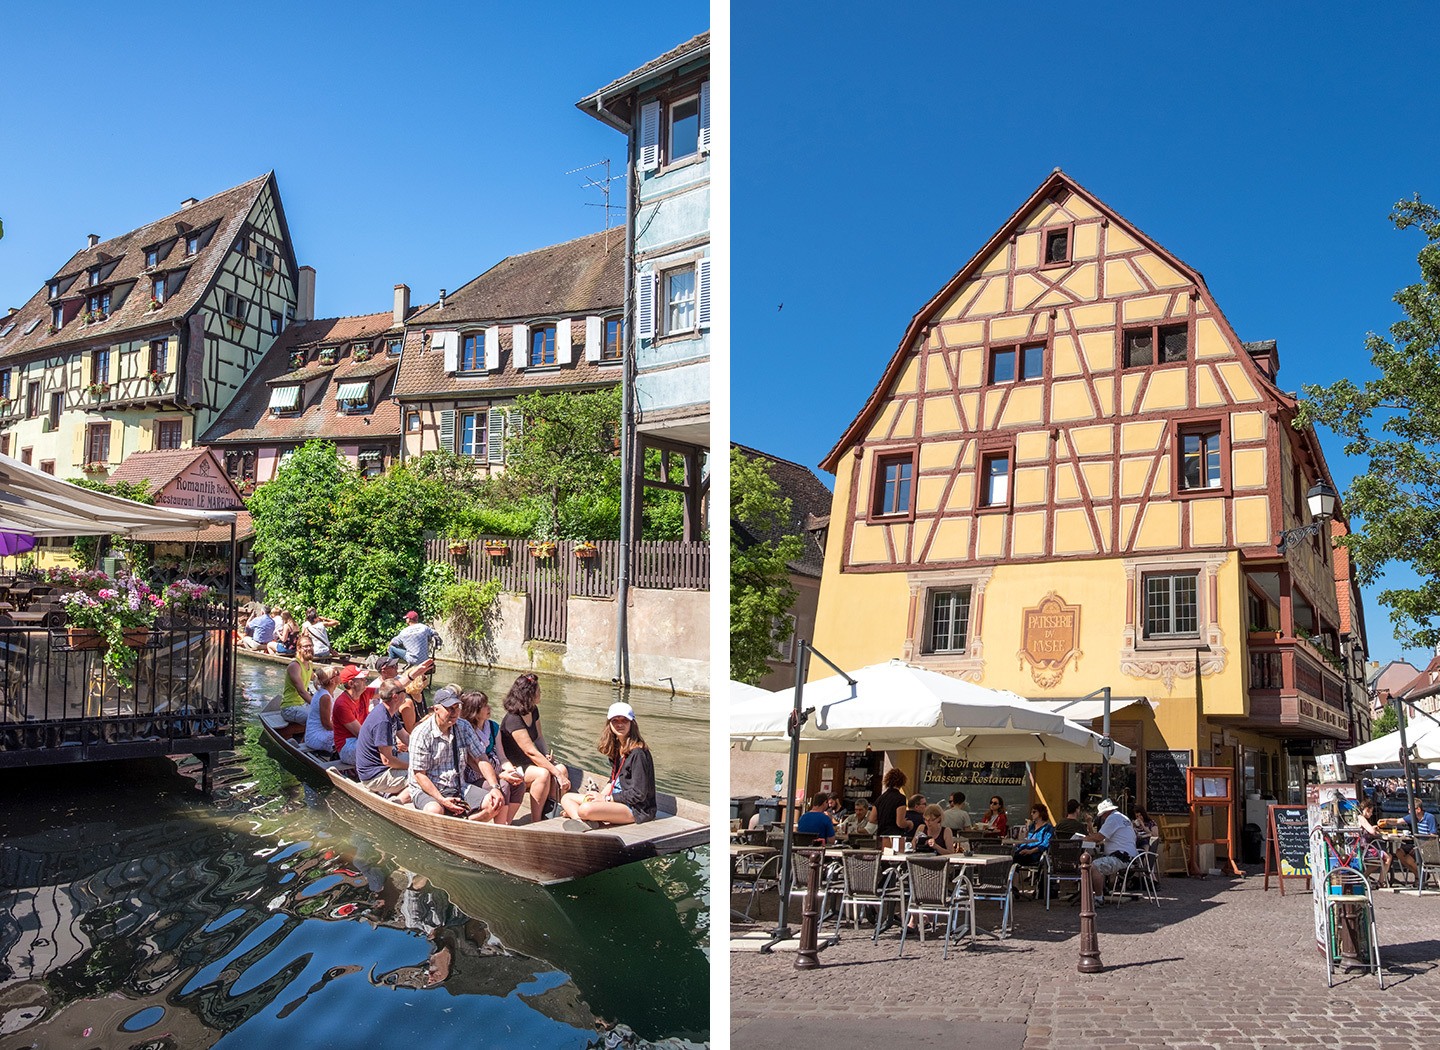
152, 257
394, 347
94, 276
54, 289
285, 399
1057, 246
31, 326
1157, 345
353, 397
7, 329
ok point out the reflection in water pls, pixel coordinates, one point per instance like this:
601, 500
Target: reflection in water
149, 916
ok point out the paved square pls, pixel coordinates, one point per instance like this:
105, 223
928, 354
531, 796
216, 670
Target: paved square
1221, 963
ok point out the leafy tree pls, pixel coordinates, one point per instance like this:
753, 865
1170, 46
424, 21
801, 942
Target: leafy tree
760, 589
564, 463
1393, 422
1386, 722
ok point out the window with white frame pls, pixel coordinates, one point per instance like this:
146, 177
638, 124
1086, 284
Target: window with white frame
676, 129
683, 132
678, 297
947, 619
1171, 605
471, 435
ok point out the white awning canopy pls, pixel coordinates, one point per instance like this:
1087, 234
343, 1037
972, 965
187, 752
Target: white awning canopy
353, 391
1086, 709
37, 504
284, 398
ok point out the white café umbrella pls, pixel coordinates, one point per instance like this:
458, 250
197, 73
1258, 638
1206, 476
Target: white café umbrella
1422, 734
897, 705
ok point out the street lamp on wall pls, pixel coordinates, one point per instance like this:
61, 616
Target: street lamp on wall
1321, 499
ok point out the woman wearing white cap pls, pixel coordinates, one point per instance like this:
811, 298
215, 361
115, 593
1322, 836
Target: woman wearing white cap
629, 797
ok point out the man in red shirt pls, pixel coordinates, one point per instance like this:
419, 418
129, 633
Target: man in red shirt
351, 706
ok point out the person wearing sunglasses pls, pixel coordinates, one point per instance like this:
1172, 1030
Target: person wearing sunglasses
629, 797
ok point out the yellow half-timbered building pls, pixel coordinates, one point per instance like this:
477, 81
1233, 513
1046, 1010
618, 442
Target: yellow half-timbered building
1073, 475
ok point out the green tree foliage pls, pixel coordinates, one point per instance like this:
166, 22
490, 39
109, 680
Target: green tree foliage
1387, 722
86, 550
760, 589
352, 547
1393, 423
564, 464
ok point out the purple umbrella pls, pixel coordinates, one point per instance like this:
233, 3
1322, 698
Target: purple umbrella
12, 543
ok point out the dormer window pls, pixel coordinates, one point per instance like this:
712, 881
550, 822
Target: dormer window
192, 244
54, 289
94, 276
542, 345
157, 289
100, 304
394, 347
472, 351
57, 316
152, 257
284, 399
353, 397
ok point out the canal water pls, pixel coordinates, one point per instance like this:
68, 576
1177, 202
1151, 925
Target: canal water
134, 912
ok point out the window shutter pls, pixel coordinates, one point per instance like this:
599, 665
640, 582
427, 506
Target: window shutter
451, 345
645, 305
85, 365
702, 294
447, 429
515, 425
492, 348
112, 361
495, 436
705, 117
79, 452
117, 437
563, 350
151, 434
520, 344
594, 335
650, 136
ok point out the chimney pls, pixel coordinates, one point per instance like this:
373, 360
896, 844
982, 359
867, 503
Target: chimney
92, 240
187, 202
305, 307
1267, 355
402, 303
442, 298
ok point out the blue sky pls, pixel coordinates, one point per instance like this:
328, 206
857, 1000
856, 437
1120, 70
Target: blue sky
1263, 144
417, 144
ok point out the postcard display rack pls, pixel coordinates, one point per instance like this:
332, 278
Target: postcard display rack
1212, 788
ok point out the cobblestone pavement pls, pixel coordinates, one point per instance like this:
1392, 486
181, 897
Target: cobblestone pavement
1221, 963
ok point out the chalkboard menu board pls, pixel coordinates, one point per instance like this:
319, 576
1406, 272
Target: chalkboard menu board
1165, 781
1292, 839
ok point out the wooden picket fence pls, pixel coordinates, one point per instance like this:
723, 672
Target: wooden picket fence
550, 580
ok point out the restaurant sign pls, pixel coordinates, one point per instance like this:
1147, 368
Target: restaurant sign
942, 769
202, 485
1049, 638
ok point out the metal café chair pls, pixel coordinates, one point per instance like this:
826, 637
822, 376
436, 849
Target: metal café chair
1142, 869
1427, 861
866, 885
999, 891
1062, 864
1347, 888
932, 891
758, 878
829, 881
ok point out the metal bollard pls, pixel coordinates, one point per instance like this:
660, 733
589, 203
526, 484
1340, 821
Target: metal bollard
808, 955
1089, 943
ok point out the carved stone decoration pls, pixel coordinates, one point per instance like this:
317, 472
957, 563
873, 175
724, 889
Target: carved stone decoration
1049, 639
1170, 659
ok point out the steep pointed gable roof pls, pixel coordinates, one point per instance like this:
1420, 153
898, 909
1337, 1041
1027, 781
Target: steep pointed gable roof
1057, 184
225, 213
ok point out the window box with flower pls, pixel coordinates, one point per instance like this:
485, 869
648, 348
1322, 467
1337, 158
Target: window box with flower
542, 549
586, 549
98, 391
116, 619
327, 356
361, 353
95, 467
155, 303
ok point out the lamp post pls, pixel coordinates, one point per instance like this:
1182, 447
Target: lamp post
1321, 500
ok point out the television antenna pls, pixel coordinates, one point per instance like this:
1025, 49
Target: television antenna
601, 183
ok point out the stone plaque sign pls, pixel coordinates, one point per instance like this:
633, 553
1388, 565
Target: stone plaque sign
1049, 638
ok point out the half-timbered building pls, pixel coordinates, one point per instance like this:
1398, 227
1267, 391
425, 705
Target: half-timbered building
332, 379
549, 319
139, 342
1073, 475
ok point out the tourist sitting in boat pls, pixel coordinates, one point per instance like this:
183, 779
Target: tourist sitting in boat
352, 704
412, 644
475, 709
259, 631
629, 798
381, 762
286, 632
318, 628
295, 700
413, 707
440, 747
524, 744
319, 730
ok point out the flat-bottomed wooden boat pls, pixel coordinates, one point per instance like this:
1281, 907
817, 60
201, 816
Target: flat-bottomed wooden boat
544, 852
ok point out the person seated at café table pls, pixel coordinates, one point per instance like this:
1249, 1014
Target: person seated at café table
1372, 847
1075, 823
861, 822
932, 836
915, 813
1117, 835
1146, 830
890, 805
957, 817
994, 818
1420, 823
1038, 833
817, 822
